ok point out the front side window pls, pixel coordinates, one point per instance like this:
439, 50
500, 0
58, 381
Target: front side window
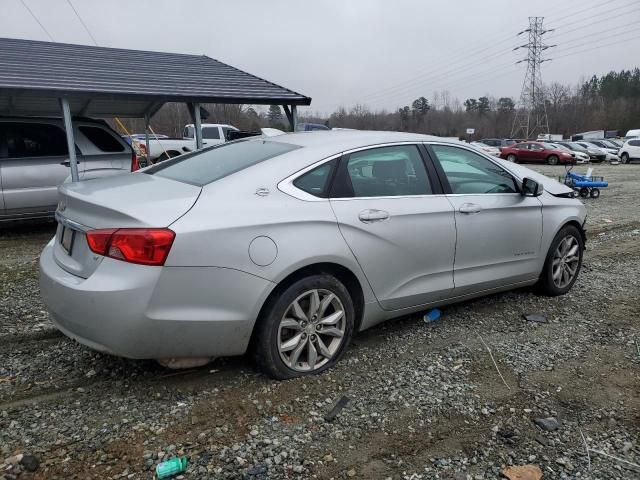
33, 140
385, 172
102, 139
213, 163
634, 143
211, 133
470, 173
189, 132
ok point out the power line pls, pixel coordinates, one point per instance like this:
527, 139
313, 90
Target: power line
595, 22
36, 19
82, 22
424, 75
595, 6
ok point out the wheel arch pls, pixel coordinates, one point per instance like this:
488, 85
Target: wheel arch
342, 273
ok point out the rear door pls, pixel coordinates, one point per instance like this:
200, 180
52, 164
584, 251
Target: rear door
499, 231
399, 226
522, 151
103, 151
536, 153
212, 135
34, 166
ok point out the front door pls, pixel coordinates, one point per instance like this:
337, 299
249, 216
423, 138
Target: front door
36, 163
499, 231
399, 227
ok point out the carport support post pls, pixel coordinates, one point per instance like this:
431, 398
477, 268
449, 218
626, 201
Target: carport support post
294, 118
146, 137
71, 144
197, 123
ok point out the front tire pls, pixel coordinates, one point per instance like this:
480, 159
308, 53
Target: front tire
512, 158
563, 262
625, 158
552, 160
305, 328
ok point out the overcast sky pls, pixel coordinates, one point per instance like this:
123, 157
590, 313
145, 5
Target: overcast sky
380, 53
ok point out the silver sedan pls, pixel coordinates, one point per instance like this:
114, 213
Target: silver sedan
286, 246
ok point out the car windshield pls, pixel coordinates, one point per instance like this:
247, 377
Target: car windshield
213, 163
577, 147
610, 144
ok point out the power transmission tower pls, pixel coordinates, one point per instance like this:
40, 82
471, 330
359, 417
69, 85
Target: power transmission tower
531, 112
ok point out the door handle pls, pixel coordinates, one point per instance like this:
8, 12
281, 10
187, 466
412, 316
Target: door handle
470, 208
369, 216
67, 163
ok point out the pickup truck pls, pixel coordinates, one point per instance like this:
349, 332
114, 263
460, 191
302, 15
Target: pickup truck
162, 147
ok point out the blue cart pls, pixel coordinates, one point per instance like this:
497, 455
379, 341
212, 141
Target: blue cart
583, 185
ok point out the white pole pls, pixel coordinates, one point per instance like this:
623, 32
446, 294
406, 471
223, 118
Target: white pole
71, 144
198, 125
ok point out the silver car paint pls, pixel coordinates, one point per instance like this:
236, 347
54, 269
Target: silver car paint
207, 297
29, 185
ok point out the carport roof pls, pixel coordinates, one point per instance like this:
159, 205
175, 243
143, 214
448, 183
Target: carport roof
105, 82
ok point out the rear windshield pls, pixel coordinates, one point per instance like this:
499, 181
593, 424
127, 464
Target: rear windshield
213, 163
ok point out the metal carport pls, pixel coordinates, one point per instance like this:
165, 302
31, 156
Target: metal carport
48, 79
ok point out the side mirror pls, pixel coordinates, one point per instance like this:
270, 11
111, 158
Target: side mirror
531, 188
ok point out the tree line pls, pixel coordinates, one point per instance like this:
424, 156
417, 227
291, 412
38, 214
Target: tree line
609, 102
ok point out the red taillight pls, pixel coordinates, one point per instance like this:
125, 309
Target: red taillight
146, 246
134, 162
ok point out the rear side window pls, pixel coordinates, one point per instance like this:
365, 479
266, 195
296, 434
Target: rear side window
102, 139
316, 181
211, 132
214, 163
396, 171
32, 140
188, 132
469, 173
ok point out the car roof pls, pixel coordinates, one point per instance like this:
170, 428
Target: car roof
340, 140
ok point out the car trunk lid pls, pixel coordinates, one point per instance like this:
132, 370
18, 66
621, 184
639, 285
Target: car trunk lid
119, 201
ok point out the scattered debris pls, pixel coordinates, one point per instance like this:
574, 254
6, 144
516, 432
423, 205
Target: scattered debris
432, 315
535, 317
586, 446
171, 467
548, 424
337, 408
600, 452
494, 362
522, 472
29, 462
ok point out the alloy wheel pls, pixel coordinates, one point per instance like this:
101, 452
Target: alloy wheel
566, 261
312, 330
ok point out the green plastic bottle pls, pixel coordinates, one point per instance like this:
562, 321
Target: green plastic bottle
171, 467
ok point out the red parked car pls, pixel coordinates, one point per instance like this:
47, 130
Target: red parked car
537, 152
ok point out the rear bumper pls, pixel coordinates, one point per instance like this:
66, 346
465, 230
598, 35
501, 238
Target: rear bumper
136, 311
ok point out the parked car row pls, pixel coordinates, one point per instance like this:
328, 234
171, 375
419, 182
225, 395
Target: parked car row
562, 151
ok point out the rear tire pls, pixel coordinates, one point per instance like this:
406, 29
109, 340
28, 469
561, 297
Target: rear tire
563, 262
552, 159
298, 333
584, 192
624, 158
595, 193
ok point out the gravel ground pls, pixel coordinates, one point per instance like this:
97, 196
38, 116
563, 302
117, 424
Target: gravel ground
425, 400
